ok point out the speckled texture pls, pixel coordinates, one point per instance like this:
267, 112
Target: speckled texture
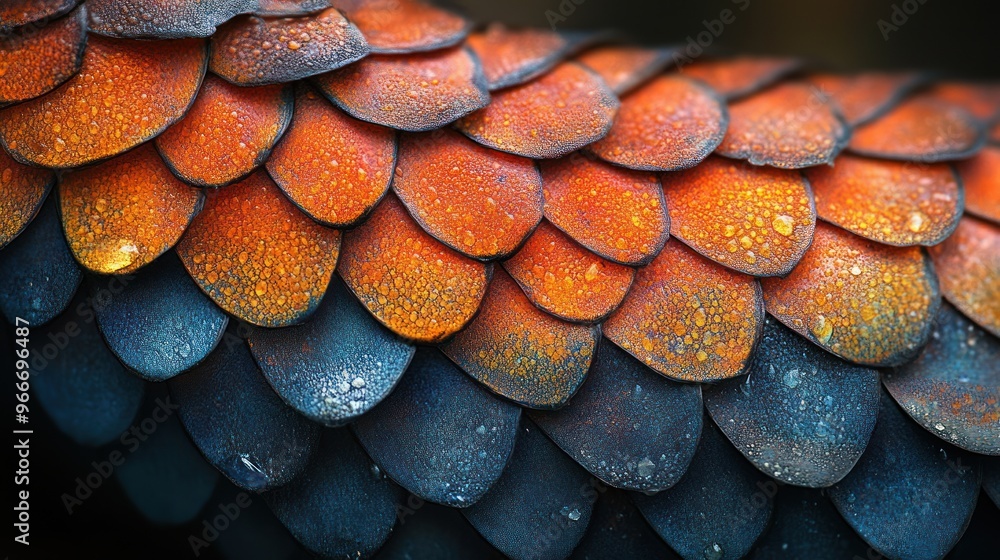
521, 352
401, 26
953, 387
459, 437
14, 13
335, 367
910, 495
968, 266
480, 202
981, 100
742, 75
514, 56
627, 425
755, 220
625, 67
865, 302
157, 321
290, 7
863, 97
800, 415
807, 526
33, 61
981, 179
162, 19
23, 189
121, 214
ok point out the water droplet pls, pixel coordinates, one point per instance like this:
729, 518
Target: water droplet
646, 467
783, 224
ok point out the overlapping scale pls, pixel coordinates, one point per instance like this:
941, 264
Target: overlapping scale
740, 76
23, 189
335, 367
290, 7
560, 112
865, 302
540, 507
755, 220
792, 125
627, 425
981, 179
865, 96
514, 56
125, 93
257, 256
617, 530
252, 51
123, 213
521, 352
162, 19
991, 478
240, 425
414, 92
670, 123
625, 67
33, 61
428, 530
617, 213
458, 438
335, 168
15, 13
228, 132
409, 281
981, 100
968, 267
403, 26
480, 202
689, 318
800, 415
910, 495
894, 203
561, 277
806, 525
718, 509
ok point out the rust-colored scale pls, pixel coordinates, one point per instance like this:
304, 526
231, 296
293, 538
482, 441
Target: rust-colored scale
982, 101
756, 220
480, 202
568, 281
862, 97
290, 7
125, 93
618, 213
559, 112
257, 256
968, 266
228, 132
522, 353
35, 61
403, 26
123, 213
896, 203
22, 191
162, 19
413, 92
514, 56
792, 125
15, 13
981, 178
334, 167
689, 318
995, 133
670, 123
921, 128
740, 76
411, 282
252, 51
866, 302
624, 67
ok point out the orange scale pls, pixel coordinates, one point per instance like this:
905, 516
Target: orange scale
257, 256
290, 7
15, 13
755, 220
334, 167
792, 125
480, 202
981, 178
558, 113
689, 318
982, 101
896, 203
228, 132
921, 128
403, 26
252, 51
22, 191
617, 213
866, 302
413, 92
995, 133
33, 61
125, 93
736, 77
625, 67
862, 97
514, 56
968, 267
521, 352
670, 123
412, 283
122, 214
561, 277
